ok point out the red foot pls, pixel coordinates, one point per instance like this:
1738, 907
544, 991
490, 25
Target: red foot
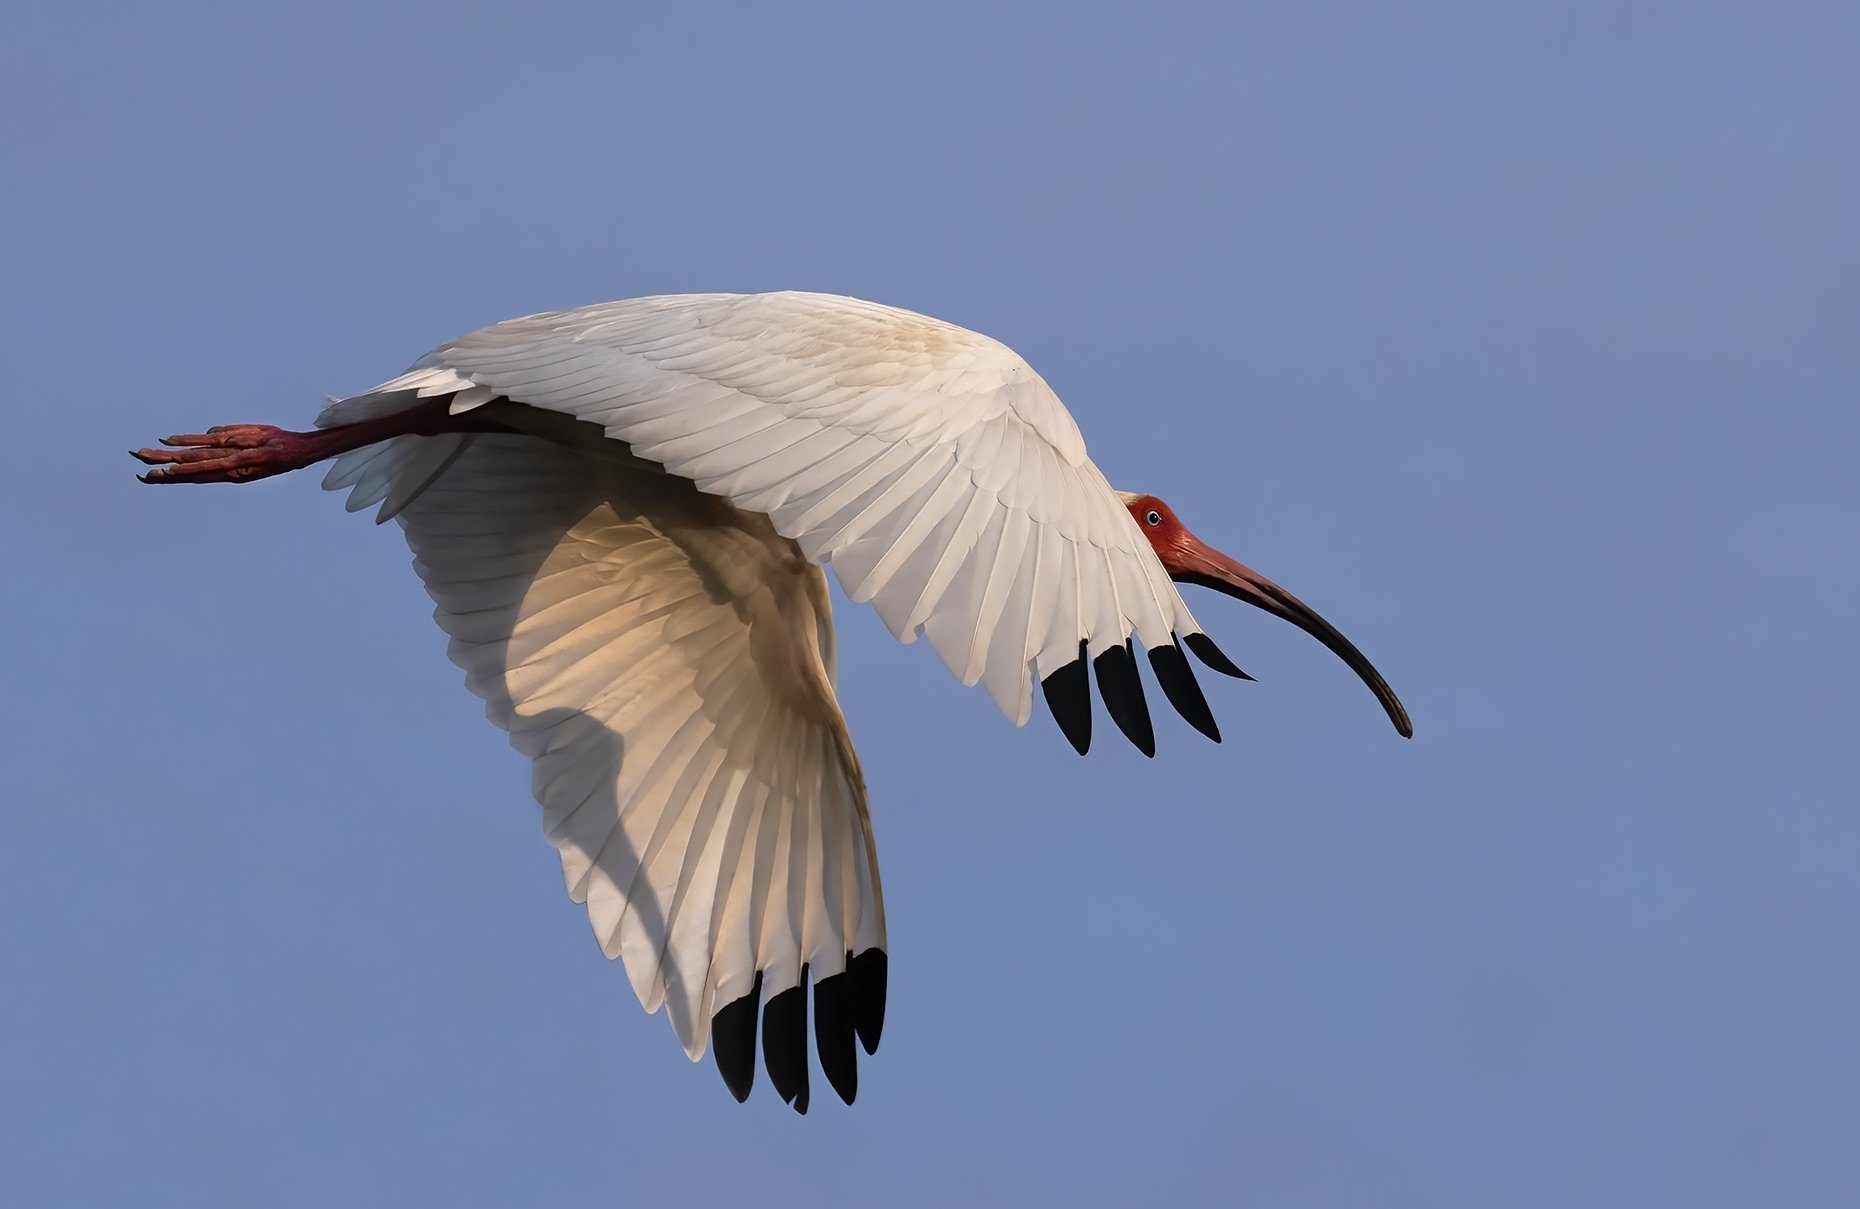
231, 453
239, 453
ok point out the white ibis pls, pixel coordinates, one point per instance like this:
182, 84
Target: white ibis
622, 512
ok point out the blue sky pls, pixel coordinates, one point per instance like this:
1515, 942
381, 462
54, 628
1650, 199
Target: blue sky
1518, 339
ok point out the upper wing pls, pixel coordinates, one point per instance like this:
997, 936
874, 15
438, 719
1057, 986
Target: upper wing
929, 465
657, 653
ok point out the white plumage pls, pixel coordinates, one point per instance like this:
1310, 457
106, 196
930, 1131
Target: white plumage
937, 474
665, 656
622, 511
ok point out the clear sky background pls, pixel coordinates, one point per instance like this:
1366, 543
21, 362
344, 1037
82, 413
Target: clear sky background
1519, 339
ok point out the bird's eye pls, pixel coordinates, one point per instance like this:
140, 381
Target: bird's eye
1152, 517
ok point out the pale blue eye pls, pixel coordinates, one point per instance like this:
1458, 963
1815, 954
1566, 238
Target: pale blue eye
1152, 517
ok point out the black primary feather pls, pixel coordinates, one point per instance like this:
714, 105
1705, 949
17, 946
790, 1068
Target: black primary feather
1123, 696
868, 972
833, 1034
733, 1041
1068, 697
1205, 650
784, 1043
1178, 684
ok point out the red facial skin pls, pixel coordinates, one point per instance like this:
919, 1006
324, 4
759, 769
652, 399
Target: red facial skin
1167, 534
1188, 559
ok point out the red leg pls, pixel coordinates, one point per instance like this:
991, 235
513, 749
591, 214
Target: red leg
238, 453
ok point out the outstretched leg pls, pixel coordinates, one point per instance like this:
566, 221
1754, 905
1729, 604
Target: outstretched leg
238, 453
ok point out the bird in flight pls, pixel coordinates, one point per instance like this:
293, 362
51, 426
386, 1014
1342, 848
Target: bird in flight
622, 513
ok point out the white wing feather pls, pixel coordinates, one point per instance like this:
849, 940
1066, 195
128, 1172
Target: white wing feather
643, 613
920, 460
655, 652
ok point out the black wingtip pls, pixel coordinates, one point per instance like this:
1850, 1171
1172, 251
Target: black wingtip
1122, 691
733, 1041
1205, 650
869, 972
784, 1043
1178, 684
1068, 697
833, 1034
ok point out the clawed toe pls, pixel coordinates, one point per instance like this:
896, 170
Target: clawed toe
239, 453
225, 453
228, 436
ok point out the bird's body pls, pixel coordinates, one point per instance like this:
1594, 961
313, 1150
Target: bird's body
622, 512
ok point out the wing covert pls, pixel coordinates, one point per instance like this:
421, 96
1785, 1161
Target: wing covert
929, 466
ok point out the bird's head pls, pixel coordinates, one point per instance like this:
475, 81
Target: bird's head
1188, 559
